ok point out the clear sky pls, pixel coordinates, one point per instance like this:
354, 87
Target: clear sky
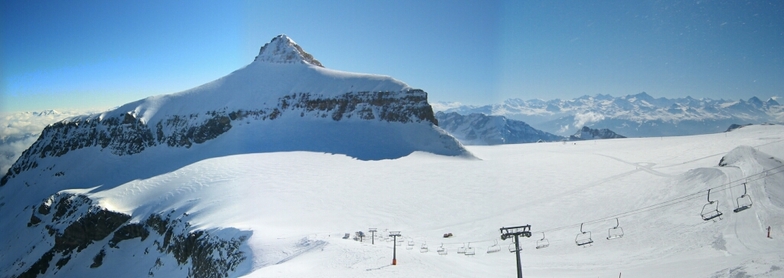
100, 54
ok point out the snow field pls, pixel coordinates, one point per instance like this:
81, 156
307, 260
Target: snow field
287, 197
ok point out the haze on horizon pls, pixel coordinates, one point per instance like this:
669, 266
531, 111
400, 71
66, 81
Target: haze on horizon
96, 54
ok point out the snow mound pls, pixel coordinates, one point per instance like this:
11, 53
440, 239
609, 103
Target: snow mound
759, 166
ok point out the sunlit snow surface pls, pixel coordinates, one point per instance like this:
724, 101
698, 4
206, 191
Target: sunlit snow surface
299, 204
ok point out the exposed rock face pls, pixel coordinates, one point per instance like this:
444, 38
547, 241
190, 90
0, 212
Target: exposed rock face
481, 129
735, 126
127, 135
284, 50
75, 224
587, 133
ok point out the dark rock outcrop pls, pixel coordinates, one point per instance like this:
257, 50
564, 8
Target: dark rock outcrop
87, 224
735, 126
587, 133
128, 135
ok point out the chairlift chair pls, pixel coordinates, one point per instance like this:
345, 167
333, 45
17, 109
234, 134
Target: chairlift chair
461, 249
441, 250
410, 244
744, 201
423, 248
583, 238
512, 248
709, 211
494, 248
542, 243
470, 251
615, 232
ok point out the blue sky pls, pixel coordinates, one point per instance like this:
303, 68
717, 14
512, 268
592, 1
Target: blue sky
100, 54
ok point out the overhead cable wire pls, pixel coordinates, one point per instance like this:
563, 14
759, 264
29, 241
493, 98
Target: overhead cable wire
678, 200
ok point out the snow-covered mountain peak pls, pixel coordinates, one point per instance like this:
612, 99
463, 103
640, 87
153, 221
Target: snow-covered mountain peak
283, 50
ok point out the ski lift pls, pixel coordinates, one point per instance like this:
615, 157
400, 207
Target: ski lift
615, 232
583, 238
512, 248
399, 242
461, 249
441, 250
542, 243
711, 212
494, 248
470, 251
410, 244
423, 248
744, 201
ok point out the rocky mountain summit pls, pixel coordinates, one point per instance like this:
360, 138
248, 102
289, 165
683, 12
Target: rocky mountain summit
284, 50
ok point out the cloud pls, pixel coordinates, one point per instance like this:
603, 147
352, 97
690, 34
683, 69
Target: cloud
582, 119
563, 129
444, 106
18, 131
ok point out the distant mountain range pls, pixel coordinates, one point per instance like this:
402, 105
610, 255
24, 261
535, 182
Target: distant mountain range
481, 129
639, 115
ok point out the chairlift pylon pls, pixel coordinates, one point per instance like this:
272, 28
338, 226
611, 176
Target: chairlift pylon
743, 202
494, 248
711, 212
583, 238
615, 232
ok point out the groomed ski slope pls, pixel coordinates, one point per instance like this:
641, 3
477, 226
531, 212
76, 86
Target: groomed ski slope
297, 206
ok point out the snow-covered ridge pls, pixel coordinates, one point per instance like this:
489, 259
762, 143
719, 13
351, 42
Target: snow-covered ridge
258, 85
20, 130
265, 90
